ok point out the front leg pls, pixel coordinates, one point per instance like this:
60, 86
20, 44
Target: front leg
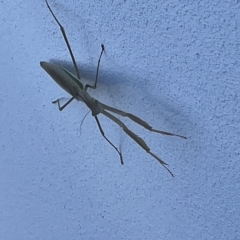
63, 106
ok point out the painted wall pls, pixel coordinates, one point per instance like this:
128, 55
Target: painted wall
174, 64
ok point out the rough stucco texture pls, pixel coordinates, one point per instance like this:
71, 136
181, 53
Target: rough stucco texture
173, 63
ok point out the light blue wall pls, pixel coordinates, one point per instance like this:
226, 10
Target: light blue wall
174, 64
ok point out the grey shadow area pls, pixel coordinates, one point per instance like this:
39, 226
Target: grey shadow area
120, 85
125, 89
88, 73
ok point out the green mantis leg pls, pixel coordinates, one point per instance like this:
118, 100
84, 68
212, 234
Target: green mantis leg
95, 84
102, 132
136, 138
65, 39
62, 107
139, 121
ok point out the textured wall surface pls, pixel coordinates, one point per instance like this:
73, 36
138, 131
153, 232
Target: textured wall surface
173, 63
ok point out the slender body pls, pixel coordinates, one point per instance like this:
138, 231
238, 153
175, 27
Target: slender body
72, 84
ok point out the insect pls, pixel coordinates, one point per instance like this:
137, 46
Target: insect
72, 84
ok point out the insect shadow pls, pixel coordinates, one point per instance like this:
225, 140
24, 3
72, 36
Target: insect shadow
72, 84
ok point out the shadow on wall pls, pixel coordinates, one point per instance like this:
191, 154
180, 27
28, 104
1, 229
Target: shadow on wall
173, 117
139, 100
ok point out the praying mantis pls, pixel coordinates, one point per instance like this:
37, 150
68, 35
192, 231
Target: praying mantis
72, 84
